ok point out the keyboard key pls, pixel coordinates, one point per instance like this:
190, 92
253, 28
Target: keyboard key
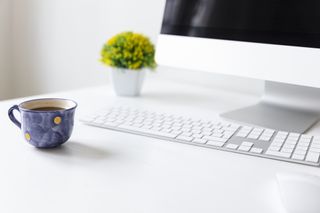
298, 157
316, 141
247, 128
196, 128
288, 146
292, 142
232, 146
300, 152
197, 135
303, 148
199, 140
215, 143
244, 148
228, 132
217, 131
314, 150
292, 134
247, 144
269, 131
176, 132
278, 154
282, 133
146, 126
186, 134
219, 135
267, 134
313, 145
244, 131
196, 131
265, 138
148, 131
313, 157
185, 138
253, 136
292, 138
165, 130
279, 140
256, 150
206, 129
275, 148
303, 144
230, 129
227, 136
242, 134
288, 150
206, 133
305, 139
210, 138
157, 129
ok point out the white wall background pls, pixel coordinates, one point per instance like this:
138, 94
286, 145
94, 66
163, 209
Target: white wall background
56, 44
5, 70
52, 45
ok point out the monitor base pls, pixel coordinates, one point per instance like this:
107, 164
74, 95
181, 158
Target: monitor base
282, 107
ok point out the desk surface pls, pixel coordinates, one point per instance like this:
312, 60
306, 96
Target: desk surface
101, 171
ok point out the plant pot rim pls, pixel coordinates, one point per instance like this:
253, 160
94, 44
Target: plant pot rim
126, 69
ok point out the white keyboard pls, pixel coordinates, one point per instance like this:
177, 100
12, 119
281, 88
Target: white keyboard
226, 136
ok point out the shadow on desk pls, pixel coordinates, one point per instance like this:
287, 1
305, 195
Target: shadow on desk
77, 150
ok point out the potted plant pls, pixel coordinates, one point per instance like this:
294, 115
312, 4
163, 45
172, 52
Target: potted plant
129, 55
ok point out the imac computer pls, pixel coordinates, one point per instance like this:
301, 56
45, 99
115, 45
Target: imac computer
274, 40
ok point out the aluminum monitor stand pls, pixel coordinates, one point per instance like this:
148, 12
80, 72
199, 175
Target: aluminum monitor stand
282, 107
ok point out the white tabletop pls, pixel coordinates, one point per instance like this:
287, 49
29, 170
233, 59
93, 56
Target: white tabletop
101, 171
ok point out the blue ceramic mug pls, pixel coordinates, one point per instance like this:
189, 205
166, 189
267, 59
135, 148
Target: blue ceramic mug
45, 123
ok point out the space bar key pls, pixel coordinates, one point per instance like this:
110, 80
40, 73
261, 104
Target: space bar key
148, 131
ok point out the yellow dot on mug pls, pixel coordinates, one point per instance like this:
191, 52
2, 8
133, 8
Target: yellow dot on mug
57, 120
27, 136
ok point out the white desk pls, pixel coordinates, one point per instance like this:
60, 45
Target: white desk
101, 171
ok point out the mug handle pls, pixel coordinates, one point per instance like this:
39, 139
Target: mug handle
11, 115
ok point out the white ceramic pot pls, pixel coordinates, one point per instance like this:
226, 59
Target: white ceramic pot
127, 82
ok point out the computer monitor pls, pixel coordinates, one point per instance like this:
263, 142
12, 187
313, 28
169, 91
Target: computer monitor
274, 40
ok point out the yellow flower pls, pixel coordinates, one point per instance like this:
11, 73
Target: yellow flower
129, 50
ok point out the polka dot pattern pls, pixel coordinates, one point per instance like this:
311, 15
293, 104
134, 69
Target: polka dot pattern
27, 136
57, 120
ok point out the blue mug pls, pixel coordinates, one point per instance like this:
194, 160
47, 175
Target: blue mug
45, 123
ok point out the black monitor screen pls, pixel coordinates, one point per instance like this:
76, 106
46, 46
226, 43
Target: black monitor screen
286, 22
